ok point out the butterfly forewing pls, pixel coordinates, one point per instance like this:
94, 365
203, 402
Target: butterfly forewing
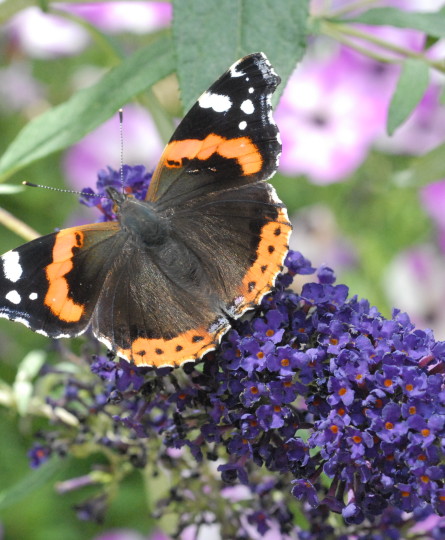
227, 138
51, 283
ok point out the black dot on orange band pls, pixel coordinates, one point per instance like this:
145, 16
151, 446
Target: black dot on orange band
264, 268
195, 339
277, 231
141, 353
159, 351
179, 348
271, 249
251, 285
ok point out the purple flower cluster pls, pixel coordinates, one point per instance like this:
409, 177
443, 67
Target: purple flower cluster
315, 397
133, 180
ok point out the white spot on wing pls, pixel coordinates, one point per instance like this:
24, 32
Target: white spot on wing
42, 332
242, 125
11, 266
107, 344
33, 296
217, 102
251, 90
13, 297
274, 196
234, 72
247, 107
22, 321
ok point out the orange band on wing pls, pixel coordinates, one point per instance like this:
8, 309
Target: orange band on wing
189, 345
242, 149
271, 252
57, 296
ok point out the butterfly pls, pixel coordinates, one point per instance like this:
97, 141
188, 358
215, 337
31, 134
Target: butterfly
160, 286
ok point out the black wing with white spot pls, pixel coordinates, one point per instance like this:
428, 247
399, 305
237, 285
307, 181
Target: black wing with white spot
51, 284
227, 139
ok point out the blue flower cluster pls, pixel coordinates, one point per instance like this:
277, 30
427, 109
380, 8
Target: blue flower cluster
315, 397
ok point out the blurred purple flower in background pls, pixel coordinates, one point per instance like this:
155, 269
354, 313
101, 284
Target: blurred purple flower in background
47, 35
319, 6
113, 17
328, 119
142, 144
414, 281
335, 106
433, 200
19, 90
128, 534
424, 129
317, 234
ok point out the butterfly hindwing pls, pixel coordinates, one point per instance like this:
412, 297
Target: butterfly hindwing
165, 314
241, 238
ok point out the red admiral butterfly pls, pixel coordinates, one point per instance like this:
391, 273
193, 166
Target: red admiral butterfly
160, 286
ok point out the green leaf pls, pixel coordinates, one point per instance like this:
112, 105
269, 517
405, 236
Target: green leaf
442, 96
209, 37
33, 481
67, 123
432, 24
428, 168
412, 85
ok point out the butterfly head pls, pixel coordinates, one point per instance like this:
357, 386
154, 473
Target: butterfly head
116, 196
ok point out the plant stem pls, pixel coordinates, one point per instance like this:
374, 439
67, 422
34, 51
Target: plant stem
330, 27
17, 226
354, 6
338, 36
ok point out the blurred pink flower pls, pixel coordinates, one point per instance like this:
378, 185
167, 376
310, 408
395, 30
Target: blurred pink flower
205, 532
42, 35
417, 5
414, 283
128, 534
329, 117
137, 17
100, 148
335, 107
316, 234
424, 129
319, 6
432, 197
18, 88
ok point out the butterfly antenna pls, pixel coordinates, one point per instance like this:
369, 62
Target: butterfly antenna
121, 134
30, 184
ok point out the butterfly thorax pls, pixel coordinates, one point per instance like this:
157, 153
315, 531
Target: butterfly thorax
140, 219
